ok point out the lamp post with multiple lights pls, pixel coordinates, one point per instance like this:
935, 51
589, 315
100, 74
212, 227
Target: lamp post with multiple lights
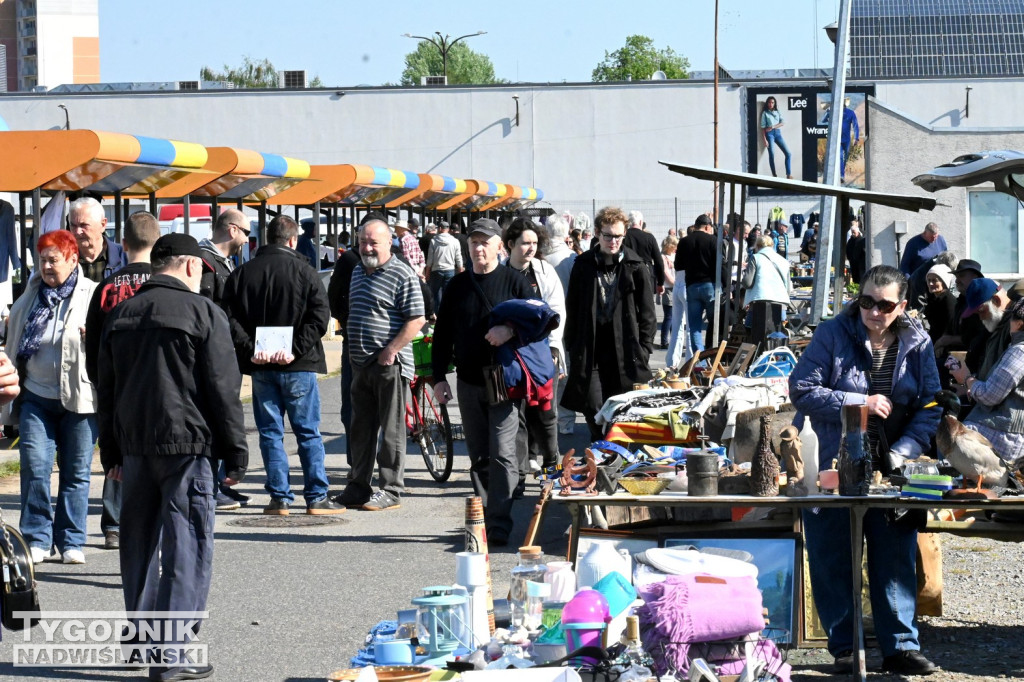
443, 43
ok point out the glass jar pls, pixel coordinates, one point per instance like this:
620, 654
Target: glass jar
531, 568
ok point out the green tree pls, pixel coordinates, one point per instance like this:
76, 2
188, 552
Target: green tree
639, 59
465, 67
251, 74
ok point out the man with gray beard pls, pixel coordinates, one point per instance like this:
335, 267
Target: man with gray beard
385, 313
986, 298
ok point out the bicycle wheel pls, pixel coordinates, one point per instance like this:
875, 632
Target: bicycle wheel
433, 433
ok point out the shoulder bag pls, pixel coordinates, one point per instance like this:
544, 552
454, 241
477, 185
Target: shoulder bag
19, 581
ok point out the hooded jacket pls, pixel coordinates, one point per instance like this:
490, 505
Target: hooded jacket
834, 371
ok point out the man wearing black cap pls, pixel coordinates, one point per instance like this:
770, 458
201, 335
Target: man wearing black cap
168, 401
696, 254
463, 332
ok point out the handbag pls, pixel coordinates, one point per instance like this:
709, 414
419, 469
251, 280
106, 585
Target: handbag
19, 594
495, 389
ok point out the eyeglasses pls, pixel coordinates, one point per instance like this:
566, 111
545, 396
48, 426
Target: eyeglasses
612, 237
884, 307
245, 230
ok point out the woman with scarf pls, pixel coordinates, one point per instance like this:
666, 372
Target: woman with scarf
55, 412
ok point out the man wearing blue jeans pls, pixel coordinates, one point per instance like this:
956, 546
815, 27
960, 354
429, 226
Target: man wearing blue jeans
278, 288
696, 255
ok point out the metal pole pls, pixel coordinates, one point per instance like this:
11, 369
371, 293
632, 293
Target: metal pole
676, 202
117, 216
24, 239
820, 291
733, 260
186, 203
715, 211
840, 276
261, 212
152, 203
37, 219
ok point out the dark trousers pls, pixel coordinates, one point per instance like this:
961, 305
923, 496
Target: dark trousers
167, 535
346, 400
110, 519
491, 441
537, 437
378, 399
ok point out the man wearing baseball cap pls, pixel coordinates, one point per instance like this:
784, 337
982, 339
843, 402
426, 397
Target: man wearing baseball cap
463, 333
168, 399
987, 300
962, 332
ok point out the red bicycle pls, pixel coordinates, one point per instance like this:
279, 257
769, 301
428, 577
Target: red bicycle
427, 421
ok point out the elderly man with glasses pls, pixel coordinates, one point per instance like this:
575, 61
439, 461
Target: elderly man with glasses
610, 321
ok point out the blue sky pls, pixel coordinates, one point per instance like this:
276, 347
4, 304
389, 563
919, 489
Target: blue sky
348, 43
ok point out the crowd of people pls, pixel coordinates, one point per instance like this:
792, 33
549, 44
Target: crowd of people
96, 316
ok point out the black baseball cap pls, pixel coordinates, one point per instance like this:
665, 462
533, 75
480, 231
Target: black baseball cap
485, 226
176, 244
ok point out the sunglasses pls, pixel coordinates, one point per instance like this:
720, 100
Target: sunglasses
244, 230
884, 307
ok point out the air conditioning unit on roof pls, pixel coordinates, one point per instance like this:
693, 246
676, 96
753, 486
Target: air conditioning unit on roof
292, 79
433, 80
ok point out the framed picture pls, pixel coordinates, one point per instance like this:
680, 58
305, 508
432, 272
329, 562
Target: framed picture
779, 561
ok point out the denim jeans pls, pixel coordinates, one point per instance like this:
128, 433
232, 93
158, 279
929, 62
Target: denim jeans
679, 349
892, 578
48, 430
700, 300
666, 322
273, 394
776, 137
438, 283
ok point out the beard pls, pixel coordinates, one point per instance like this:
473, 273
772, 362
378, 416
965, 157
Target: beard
995, 316
370, 261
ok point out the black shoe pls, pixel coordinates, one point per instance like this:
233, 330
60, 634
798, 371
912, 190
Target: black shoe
197, 672
225, 503
497, 538
275, 508
843, 665
519, 492
238, 497
111, 540
910, 662
352, 498
324, 507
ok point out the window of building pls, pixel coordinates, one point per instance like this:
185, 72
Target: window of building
994, 232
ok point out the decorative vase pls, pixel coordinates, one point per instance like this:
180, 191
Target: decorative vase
854, 454
764, 469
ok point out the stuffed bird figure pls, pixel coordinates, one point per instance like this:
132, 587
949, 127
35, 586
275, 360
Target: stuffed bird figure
967, 450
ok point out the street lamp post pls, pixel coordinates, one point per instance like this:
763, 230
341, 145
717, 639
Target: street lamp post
443, 45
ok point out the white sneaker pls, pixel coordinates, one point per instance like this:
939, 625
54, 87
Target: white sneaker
38, 555
74, 556
534, 466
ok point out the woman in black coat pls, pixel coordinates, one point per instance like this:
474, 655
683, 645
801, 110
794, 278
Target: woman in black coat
610, 321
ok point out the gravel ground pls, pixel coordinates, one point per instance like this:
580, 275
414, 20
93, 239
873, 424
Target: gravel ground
979, 635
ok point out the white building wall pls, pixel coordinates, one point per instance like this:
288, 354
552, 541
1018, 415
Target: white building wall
58, 22
917, 148
584, 145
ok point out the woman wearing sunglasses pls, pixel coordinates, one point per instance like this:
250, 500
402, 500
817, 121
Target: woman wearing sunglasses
870, 354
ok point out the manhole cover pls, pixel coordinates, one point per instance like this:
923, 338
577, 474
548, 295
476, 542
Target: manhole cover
286, 521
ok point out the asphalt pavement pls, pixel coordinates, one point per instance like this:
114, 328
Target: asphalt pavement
290, 601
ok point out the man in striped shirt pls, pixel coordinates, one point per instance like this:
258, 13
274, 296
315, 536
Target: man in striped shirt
385, 313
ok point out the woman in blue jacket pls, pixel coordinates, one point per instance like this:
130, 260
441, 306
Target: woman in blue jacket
870, 354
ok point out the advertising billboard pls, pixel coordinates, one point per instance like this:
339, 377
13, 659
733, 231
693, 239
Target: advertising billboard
787, 129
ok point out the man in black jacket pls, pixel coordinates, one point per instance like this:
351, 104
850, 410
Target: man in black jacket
279, 288
609, 321
168, 400
645, 245
696, 254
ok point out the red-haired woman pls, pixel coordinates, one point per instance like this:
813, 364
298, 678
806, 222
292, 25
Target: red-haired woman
55, 412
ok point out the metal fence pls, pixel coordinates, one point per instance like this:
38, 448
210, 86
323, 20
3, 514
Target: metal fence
663, 214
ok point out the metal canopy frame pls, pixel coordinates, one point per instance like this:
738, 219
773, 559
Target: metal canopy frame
904, 202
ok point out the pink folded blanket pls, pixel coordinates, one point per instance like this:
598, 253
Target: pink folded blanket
686, 609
